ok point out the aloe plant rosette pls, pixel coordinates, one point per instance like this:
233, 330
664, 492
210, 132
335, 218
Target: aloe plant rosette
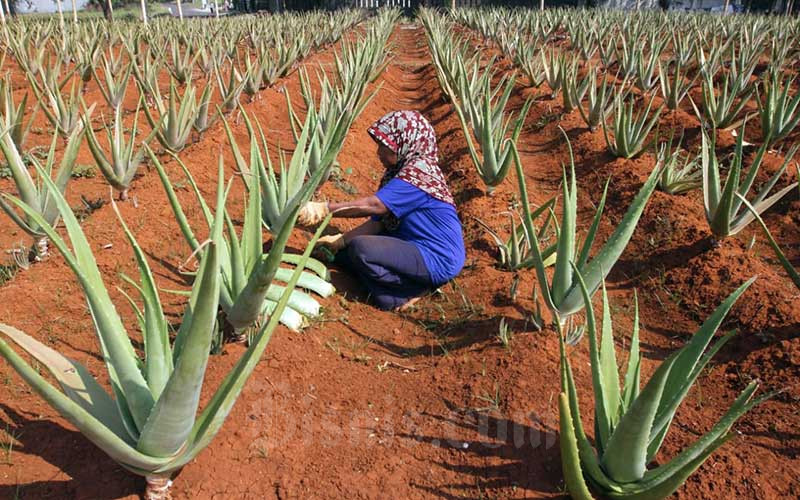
490, 126
630, 424
120, 166
562, 293
150, 426
241, 256
35, 192
723, 208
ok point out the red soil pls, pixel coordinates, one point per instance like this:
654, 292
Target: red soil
370, 404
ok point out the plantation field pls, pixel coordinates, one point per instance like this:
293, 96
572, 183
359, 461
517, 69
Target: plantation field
430, 402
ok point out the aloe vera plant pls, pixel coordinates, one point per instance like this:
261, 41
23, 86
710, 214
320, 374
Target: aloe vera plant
780, 49
491, 125
720, 109
585, 41
253, 77
710, 64
553, 68
39, 194
278, 205
631, 422
562, 295
742, 63
62, 110
147, 69
515, 252
176, 117
29, 55
778, 112
115, 58
120, 167
205, 59
647, 64
115, 84
272, 67
202, 117
680, 171
334, 114
241, 256
627, 55
279, 192
358, 64
675, 88
181, 64
447, 51
229, 90
599, 101
722, 207
683, 48
530, 63
608, 52
151, 425
630, 131
12, 117
470, 84
573, 88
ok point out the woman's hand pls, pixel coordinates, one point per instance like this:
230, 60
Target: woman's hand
313, 213
333, 242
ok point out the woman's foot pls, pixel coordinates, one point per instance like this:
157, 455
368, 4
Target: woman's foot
408, 305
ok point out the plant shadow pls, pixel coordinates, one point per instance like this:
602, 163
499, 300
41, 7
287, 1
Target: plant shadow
91, 473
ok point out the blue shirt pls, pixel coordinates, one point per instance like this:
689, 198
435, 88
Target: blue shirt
430, 224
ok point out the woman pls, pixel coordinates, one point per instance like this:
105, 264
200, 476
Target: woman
413, 241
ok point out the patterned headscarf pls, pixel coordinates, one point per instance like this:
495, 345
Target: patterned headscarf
411, 137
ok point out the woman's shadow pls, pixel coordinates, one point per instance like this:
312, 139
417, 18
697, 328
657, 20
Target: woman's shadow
523, 452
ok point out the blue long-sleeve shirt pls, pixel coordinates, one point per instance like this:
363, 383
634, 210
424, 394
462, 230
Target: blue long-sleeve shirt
430, 224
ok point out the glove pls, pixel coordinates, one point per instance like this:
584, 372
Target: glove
313, 213
333, 242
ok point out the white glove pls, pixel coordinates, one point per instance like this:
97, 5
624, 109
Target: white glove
313, 213
334, 242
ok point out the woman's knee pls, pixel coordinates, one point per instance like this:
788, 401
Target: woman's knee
358, 249
357, 246
375, 259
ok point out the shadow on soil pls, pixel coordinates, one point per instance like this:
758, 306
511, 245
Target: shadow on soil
781, 437
658, 262
446, 336
92, 474
513, 451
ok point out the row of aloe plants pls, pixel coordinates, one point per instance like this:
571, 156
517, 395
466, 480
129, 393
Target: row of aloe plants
151, 423
631, 422
681, 60
358, 63
125, 55
176, 67
480, 103
725, 74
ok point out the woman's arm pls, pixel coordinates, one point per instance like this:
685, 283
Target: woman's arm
362, 207
365, 229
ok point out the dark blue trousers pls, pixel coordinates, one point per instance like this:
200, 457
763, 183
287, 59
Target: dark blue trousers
392, 270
